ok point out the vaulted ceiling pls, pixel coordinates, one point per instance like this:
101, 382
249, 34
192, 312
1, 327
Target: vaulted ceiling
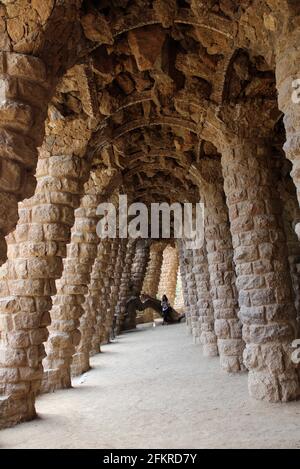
151, 71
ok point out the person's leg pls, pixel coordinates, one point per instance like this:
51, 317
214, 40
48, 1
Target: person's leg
164, 313
167, 316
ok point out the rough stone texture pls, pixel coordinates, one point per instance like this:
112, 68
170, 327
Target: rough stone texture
159, 93
182, 267
190, 290
35, 252
24, 97
168, 277
205, 312
263, 279
99, 292
114, 275
67, 303
287, 70
151, 280
88, 320
179, 300
103, 280
125, 282
291, 217
228, 327
138, 271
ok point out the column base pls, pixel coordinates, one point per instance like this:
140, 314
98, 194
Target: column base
266, 386
231, 355
210, 350
55, 379
15, 410
208, 341
80, 364
95, 350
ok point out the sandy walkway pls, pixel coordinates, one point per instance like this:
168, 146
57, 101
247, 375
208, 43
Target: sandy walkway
153, 389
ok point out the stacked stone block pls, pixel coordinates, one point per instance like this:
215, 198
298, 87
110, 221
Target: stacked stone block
179, 301
287, 76
192, 295
25, 92
112, 297
182, 267
71, 289
151, 280
168, 277
125, 284
228, 327
138, 271
99, 292
204, 329
291, 217
35, 252
263, 278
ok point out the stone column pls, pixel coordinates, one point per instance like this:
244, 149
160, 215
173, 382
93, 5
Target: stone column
25, 92
138, 271
35, 252
99, 292
187, 266
228, 327
182, 266
117, 275
112, 297
288, 85
125, 284
291, 216
263, 279
151, 280
179, 301
139, 266
168, 277
71, 288
81, 359
105, 307
205, 312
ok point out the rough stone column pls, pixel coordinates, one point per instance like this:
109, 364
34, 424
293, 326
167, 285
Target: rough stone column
228, 327
138, 270
168, 277
182, 266
287, 72
115, 264
125, 284
88, 320
23, 109
291, 216
118, 274
71, 288
151, 280
263, 279
190, 290
35, 253
106, 279
139, 266
205, 312
179, 301
99, 291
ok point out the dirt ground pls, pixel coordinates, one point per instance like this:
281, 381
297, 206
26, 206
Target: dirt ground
153, 389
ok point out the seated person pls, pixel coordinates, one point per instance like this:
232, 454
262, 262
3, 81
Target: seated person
166, 309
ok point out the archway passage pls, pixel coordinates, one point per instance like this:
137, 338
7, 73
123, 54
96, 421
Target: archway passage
168, 103
141, 368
